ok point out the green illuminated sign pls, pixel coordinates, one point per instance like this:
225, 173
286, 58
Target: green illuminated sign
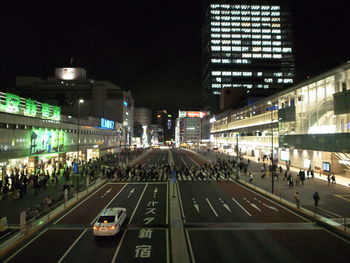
46, 141
11, 103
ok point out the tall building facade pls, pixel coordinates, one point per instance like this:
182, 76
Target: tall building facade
246, 44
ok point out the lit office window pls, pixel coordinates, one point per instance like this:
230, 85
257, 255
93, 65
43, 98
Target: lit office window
276, 43
225, 12
265, 30
225, 29
275, 19
245, 13
288, 81
236, 49
267, 56
225, 6
256, 49
236, 42
235, 12
275, 13
236, 74
218, 79
266, 49
215, 12
246, 55
215, 35
235, 18
277, 49
215, 48
225, 35
226, 73
277, 56
235, 24
256, 13
225, 23
257, 55
225, 18
259, 74
266, 36
215, 41
256, 19
265, 7
255, 7
215, 60
247, 74
265, 13
216, 92
215, 29
276, 31
245, 49
215, 23
277, 74
256, 30
214, 6
279, 80
275, 8
256, 43
236, 35
268, 80
246, 36
276, 25
286, 50
256, 36
244, 18
226, 42
265, 19
266, 43
246, 30
216, 73
226, 48
226, 61
256, 25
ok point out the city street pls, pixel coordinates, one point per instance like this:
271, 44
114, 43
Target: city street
223, 221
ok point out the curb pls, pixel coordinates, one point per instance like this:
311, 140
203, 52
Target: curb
323, 221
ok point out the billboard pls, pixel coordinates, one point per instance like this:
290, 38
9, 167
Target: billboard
70, 73
193, 114
46, 141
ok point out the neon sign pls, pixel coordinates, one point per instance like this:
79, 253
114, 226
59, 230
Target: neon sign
107, 124
11, 103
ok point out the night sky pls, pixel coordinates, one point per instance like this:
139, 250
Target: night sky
152, 47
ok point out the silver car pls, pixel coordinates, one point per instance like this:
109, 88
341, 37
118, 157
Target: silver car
109, 221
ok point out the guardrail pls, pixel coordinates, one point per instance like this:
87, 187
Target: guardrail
41, 218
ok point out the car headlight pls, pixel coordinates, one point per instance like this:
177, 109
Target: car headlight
95, 228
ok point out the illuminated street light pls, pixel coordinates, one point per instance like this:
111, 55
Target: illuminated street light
272, 160
78, 144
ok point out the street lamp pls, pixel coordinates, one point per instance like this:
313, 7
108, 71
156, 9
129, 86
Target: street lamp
78, 144
272, 161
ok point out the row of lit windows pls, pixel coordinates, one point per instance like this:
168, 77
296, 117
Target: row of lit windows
243, 13
237, 42
245, 7
245, 30
246, 36
249, 24
253, 49
235, 18
257, 73
253, 19
256, 43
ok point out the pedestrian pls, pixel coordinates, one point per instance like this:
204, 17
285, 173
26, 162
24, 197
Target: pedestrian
333, 180
297, 199
251, 178
316, 198
329, 179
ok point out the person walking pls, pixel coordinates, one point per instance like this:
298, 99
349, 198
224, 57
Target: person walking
316, 198
251, 178
333, 179
329, 179
297, 199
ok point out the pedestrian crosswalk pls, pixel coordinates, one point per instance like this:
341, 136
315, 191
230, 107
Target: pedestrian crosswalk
179, 177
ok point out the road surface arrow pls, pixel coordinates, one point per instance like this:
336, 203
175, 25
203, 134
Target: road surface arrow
257, 208
271, 207
107, 192
195, 205
131, 192
225, 205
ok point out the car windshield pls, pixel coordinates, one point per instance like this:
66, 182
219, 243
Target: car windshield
106, 219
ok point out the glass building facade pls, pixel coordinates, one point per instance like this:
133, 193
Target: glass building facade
310, 124
247, 45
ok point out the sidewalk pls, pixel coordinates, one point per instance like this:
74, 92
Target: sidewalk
212, 156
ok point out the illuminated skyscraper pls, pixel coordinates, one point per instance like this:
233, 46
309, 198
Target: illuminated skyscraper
247, 44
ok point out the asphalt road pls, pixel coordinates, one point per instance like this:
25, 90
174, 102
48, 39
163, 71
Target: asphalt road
223, 222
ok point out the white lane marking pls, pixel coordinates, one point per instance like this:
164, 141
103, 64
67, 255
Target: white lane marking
108, 204
107, 192
195, 204
119, 245
225, 205
138, 202
31, 241
241, 206
271, 207
70, 248
212, 208
75, 207
180, 199
183, 160
190, 246
121, 240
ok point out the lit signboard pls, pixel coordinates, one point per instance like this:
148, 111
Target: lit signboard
193, 114
284, 155
11, 103
125, 103
107, 124
46, 141
70, 73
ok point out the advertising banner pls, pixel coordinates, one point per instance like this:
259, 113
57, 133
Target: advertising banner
46, 141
